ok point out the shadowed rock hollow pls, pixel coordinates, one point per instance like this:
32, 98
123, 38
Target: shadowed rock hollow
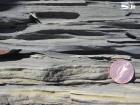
65, 60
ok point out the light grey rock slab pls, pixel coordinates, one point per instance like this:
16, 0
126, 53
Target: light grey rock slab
92, 94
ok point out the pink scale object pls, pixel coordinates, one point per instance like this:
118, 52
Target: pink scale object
122, 71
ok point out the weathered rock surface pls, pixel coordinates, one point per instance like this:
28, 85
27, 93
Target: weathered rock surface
65, 60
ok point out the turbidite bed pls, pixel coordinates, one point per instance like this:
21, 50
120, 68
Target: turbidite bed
65, 60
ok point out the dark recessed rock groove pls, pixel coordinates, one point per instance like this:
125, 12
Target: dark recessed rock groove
12, 25
137, 3
82, 50
101, 58
127, 25
82, 82
136, 56
15, 56
31, 0
91, 2
55, 34
135, 14
129, 35
123, 42
112, 30
41, 36
92, 21
106, 26
132, 35
7, 4
89, 22
80, 23
6, 7
58, 15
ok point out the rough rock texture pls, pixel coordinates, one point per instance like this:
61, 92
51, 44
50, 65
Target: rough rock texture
65, 60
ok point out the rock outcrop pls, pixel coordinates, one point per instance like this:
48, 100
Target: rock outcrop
65, 60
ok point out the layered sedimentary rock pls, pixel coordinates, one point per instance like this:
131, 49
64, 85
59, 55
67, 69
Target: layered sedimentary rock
65, 59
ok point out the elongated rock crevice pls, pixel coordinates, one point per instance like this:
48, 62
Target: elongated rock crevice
58, 15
